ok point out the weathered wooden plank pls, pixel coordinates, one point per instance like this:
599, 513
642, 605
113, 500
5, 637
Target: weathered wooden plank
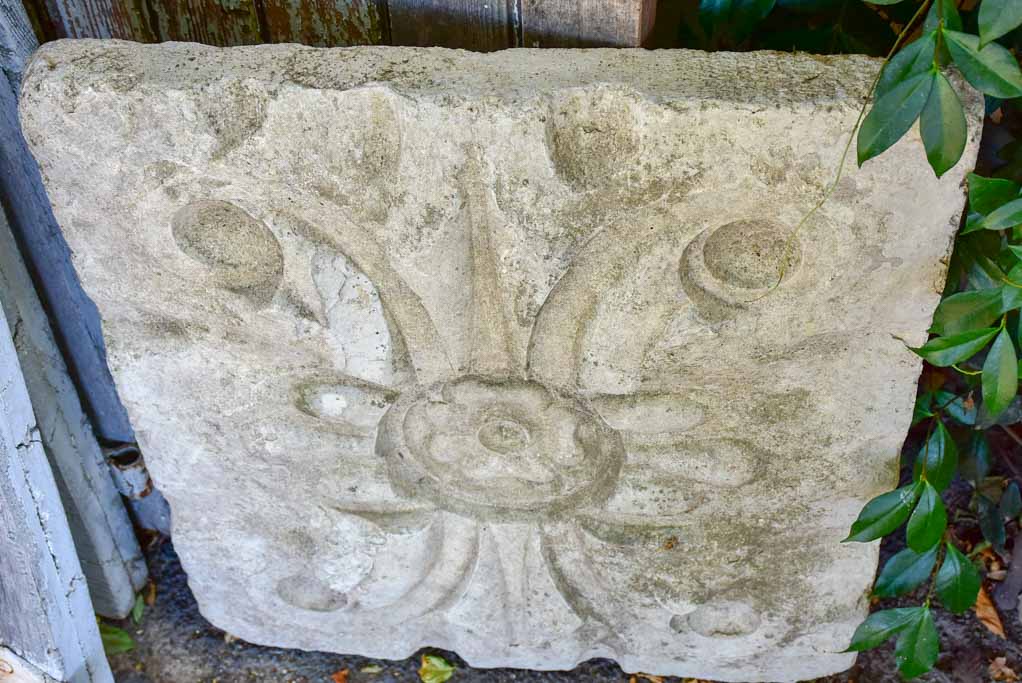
46, 615
17, 40
325, 23
102, 531
14, 669
95, 18
213, 22
587, 23
482, 25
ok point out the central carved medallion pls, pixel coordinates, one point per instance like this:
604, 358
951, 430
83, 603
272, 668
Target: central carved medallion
487, 445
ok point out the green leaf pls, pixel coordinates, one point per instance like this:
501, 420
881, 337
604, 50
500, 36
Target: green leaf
967, 311
988, 194
945, 351
138, 609
957, 581
1006, 216
990, 522
976, 464
942, 126
435, 669
918, 644
914, 59
952, 20
905, 571
928, 521
992, 69
997, 18
937, 459
921, 411
1000, 375
884, 514
115, 640
880, 626
1011, 296
957, 408
1011, 501
892, 115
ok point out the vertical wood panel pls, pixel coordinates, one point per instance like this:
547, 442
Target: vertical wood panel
47, 616
587, 23
324, 23
213, 22
482, 25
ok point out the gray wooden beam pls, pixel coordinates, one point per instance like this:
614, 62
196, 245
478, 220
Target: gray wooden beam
103, 534
46, 616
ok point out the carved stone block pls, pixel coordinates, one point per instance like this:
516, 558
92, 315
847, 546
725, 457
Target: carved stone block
517, 355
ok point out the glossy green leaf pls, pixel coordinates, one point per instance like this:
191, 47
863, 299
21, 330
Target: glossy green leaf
1000, 375
957, 407
943, 127
880, 626
892, 115
1011, 295
945, 351
884, 514
989, 194
997, 18
1011, 501
1016, 251
952, 20
992, 69
938, 458
928, 521
914, 59
1007, 216
957, 581
967, 311
115, 640
918, 645
903, 572
990, 522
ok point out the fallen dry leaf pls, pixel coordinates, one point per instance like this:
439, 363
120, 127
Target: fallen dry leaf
997, 574
150, 593
987, 613
649, 677
340, 676
1000, 671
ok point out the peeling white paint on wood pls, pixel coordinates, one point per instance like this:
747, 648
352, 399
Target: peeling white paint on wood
53, 627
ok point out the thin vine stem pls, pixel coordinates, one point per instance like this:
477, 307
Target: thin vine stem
789, 242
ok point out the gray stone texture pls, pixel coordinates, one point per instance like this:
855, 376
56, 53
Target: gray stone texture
485, 352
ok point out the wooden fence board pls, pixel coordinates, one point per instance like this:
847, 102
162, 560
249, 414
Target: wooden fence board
213, 22
325, 23
102, 531
46, 614
587, 23
482, 25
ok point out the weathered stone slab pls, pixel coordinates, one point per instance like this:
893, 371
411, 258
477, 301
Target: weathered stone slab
484, 351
